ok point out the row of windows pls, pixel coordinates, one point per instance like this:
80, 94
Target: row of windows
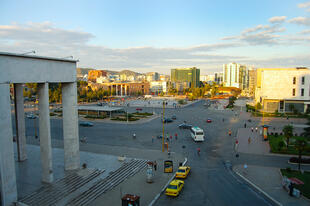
302, 92
302, 80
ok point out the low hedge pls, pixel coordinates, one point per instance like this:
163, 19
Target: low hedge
303, 160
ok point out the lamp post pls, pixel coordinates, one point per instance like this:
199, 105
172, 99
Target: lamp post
163, 137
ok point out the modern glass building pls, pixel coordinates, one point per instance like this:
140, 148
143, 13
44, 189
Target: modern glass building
190, 76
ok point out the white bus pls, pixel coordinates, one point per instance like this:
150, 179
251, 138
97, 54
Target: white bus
197, 134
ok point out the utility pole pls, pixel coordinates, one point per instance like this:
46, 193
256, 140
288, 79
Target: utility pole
163, 138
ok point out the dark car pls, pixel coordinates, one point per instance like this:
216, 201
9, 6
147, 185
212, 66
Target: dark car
31, 116
185, 126
86, 124
209, 120
139, 109
174, 117
167, 120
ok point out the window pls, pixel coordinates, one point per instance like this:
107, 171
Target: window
302, 80
293, 92
294, 81
302, 92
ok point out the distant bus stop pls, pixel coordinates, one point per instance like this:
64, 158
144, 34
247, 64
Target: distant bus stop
100, 111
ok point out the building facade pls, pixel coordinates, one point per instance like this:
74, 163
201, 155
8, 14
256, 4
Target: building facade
218, 77
157, 87
191, 76
94, 74
152, 76
235, 75
283, 89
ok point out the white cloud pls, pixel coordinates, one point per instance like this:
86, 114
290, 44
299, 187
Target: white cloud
277, 19
305, 32
47, 40
259, 35
300, 20
305, 5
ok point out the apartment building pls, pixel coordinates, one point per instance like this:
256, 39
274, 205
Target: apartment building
235, 75
283, 89
189, 76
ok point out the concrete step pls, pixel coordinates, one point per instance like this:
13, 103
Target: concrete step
111, 181
52, 193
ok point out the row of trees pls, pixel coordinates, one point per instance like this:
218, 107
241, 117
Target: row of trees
301, 142
196, 92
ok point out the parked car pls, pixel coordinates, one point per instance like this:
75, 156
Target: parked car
209, 120
174, 188
86, 124
182, 172
99, 104
174, 117
31, 116
139, 109
167, 120
185, 126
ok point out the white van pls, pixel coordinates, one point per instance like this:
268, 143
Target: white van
197, 134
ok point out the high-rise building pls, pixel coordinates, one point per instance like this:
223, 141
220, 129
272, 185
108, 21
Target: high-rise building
235, 75
283, 89
252, 82
190, 76
218, 77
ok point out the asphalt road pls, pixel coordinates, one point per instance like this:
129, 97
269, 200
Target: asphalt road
211, 181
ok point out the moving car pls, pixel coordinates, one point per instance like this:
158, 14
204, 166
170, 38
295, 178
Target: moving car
167, 120
185, 126
86, 124
182, 172
31, 116
174, 188
209, 120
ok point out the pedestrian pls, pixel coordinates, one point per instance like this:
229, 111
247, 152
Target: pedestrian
229, 132
249, 140
198, 151
167, 139
155, 165
244, 125
223, 120
170, 137
252, 129
176, 136
152, 139
256, 129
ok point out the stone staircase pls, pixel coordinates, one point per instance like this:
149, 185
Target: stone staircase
111, 181
83, 186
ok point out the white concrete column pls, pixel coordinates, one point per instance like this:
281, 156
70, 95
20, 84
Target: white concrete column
125, 90
20, 122
45, 133
121, 90
70, 126
116, 92
8, 187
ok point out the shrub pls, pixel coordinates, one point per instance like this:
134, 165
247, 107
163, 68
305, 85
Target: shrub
276, 134
280, 145
281, 133
271, 133
288, 169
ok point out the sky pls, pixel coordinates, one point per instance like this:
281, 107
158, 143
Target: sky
158, 35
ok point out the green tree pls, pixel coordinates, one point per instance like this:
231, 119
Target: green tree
288, 133
300, 146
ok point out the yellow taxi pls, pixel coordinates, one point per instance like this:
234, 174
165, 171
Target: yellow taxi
174, 188
182, 172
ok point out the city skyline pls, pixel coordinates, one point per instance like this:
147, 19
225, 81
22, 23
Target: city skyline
147, 36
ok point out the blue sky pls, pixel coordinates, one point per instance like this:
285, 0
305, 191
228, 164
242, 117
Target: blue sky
159, 35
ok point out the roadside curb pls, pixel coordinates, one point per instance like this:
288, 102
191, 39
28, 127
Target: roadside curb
163, 189
275, 202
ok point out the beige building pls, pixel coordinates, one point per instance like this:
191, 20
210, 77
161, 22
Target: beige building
123, 89
252, 82
283, 89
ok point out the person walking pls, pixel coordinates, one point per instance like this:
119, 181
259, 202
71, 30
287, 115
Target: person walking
229, 132
252, 129
244, 125
176, 136
249, 140
155, 165
256, 129
152, 139
198, 151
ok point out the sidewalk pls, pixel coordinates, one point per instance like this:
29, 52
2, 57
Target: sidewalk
268, 180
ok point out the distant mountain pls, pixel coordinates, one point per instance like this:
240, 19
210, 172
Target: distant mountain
82, 71
129, 73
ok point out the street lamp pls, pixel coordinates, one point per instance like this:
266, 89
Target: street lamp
163, 137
